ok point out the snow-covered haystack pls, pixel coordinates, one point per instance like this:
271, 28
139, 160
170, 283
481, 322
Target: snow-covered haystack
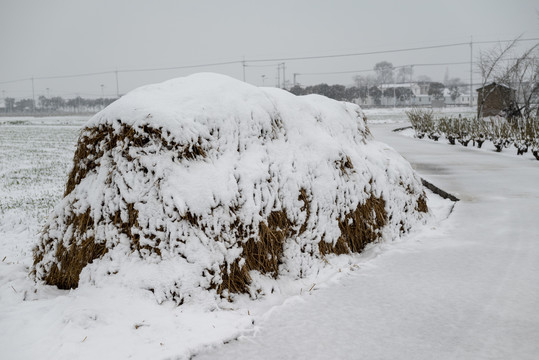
202, 184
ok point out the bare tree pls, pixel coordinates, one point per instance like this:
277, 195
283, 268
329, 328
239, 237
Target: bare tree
384, 72
365, 82
455, 85
523, 76
519, 73
405, 74
424, 78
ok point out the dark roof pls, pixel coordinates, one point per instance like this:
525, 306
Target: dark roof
494, 84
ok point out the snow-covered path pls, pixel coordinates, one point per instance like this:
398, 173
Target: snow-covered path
466, 289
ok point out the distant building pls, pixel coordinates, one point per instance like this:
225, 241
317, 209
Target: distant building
416, 94
422, 100
393, 99
437, 103
461, 98
415, 88
496, 99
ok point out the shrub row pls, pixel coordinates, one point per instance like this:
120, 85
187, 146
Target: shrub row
523, 133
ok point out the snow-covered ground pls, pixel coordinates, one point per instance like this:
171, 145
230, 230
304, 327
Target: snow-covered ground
463, 287
397, 115
467, 288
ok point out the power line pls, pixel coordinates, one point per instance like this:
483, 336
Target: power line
261, 66
357, 54
121, 71
385, 51
500, 41
244, 62
73, 76
395, 67
372, 70
337, 72
15, 81
182, 67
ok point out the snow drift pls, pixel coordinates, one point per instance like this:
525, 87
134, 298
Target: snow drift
206, 186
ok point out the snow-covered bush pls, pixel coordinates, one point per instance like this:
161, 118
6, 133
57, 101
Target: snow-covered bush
522, 132
203, 186
500, 132
535, 149
478, 132
457, 129
423, 123
446, 126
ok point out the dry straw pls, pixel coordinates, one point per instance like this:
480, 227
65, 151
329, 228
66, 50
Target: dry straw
262, 247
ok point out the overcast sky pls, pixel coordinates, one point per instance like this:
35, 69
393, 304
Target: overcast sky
42, 38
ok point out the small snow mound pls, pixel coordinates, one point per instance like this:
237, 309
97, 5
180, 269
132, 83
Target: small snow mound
190, 187
408, 132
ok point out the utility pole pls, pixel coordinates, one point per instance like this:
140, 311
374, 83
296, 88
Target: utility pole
263, 78
33, 97
295, 74
243, 63
117, 86
284, 77
278, 75
48, 102
102, 96
471, 70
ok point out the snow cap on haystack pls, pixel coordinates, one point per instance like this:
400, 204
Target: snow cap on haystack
205, 184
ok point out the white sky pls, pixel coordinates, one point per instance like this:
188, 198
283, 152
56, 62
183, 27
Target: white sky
54, 37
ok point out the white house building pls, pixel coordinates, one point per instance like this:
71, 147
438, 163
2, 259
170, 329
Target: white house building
418, 97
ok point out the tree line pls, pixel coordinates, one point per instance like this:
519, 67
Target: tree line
352, 93
384, 83
55, 104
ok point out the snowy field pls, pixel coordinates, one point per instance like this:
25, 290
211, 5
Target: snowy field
392, 115
463, 287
